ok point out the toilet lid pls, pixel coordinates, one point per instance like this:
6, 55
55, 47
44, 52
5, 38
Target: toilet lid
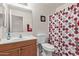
48, 46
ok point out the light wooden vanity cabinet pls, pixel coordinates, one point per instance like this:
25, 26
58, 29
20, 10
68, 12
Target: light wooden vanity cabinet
24, 48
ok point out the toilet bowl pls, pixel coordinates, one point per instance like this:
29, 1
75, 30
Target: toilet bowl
48, 47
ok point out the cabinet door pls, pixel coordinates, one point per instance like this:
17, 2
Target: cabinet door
29, 50
13, 52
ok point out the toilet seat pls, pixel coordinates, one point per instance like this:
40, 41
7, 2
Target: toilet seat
48, 47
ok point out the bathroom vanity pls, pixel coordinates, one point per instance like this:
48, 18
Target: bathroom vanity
21, 48
15, 35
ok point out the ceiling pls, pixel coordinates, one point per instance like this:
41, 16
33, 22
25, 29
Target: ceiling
53, 5
43, 6
25, 4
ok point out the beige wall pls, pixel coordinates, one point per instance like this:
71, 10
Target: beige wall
38, 10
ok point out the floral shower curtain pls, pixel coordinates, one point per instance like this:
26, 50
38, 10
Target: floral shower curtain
64, 31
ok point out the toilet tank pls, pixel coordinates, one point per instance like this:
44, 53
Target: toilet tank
42, 38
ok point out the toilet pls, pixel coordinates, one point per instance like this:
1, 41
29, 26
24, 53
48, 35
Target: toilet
43, 45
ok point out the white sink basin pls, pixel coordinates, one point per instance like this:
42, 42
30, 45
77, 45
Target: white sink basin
17, 39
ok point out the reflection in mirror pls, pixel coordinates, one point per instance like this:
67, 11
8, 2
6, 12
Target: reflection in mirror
17, 24
19, 20
1, 20
1, 25
14, 21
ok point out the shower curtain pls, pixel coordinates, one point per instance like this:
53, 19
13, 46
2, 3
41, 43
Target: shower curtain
64, 31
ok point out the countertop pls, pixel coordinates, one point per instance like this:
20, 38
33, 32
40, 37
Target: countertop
16, 39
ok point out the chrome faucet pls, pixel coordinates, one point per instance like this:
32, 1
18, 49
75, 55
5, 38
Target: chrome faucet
8, 37
20, 35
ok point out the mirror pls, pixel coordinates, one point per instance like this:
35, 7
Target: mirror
15, 20
20, 20
2, 18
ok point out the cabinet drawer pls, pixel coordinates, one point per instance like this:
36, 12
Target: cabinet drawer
12, 52
29, 50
